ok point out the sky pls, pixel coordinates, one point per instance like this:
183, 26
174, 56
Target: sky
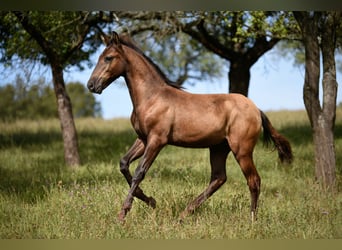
275, 84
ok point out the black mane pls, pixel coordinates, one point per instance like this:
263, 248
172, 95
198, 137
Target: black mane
127, 41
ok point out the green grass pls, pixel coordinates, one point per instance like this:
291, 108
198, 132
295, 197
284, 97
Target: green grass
41, 198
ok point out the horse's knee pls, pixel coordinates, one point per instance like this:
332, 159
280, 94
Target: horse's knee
139, 174
123, 165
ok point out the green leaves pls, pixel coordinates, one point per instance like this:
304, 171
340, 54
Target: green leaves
66, 33
20, 101
181, 58
84, 102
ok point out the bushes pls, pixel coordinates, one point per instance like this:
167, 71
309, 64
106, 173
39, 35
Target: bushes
38, 101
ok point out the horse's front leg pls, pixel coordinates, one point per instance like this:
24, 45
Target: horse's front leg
136, 151
152, 149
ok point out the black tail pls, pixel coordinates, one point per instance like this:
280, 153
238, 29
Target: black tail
280, 142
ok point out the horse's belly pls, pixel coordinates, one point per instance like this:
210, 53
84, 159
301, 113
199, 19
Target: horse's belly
198, 139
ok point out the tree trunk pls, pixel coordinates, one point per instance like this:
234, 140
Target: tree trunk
64, 108
325, 170
239, 76
322, 119
68, 128
325, 162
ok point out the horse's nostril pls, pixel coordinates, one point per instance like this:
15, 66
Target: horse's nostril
94, 86
91, 85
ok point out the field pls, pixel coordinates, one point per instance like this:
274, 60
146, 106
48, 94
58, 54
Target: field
42, 198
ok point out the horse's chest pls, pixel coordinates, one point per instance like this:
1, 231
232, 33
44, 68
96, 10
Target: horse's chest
139, 128
153, 120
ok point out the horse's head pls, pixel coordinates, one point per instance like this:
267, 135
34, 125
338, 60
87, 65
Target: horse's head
110, 65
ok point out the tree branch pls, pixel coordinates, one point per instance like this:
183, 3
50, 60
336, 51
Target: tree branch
207, 40
260, 47
31, 29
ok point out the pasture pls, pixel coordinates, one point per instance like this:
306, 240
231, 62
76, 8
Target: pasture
42, 198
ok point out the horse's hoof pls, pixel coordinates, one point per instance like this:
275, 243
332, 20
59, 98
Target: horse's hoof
182, 216
152, 202
121, 217
253, 217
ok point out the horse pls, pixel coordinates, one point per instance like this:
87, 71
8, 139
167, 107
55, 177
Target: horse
165, 114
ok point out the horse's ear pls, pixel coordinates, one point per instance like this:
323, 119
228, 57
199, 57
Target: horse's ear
115, 39
105, 39
112, 39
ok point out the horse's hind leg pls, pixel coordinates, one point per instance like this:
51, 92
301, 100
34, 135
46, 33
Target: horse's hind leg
253, 179
218, 156
135, 152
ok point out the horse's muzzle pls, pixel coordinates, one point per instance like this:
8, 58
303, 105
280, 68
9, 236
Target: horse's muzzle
93, 87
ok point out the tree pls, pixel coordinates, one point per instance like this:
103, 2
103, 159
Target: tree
238, 37
319, 35
181, 57
36, 101
7, 94
58, 39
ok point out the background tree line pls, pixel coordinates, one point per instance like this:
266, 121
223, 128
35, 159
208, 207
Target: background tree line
19, 100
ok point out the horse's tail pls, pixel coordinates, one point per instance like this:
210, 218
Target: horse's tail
280, 142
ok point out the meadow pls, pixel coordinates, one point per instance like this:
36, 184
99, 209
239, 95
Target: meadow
40, 197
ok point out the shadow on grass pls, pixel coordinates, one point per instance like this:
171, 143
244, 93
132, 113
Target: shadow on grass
302, 134
299, 135
27, 140
104, 147
40, 166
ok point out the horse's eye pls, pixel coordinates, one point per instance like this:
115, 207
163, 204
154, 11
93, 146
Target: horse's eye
108, 58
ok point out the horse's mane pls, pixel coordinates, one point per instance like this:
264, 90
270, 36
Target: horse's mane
127, 41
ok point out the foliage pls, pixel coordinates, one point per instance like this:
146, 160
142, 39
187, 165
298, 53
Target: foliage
293, 48
189, 44
84, 102
58, 39
62, 31
36, 101
181, 58
239, 30
41, 198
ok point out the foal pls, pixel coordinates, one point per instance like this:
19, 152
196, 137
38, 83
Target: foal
164, 114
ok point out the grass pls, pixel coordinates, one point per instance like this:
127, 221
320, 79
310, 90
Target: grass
41, 198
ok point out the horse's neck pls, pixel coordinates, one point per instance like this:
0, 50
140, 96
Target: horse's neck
142, 79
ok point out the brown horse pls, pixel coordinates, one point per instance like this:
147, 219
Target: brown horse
164, 114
